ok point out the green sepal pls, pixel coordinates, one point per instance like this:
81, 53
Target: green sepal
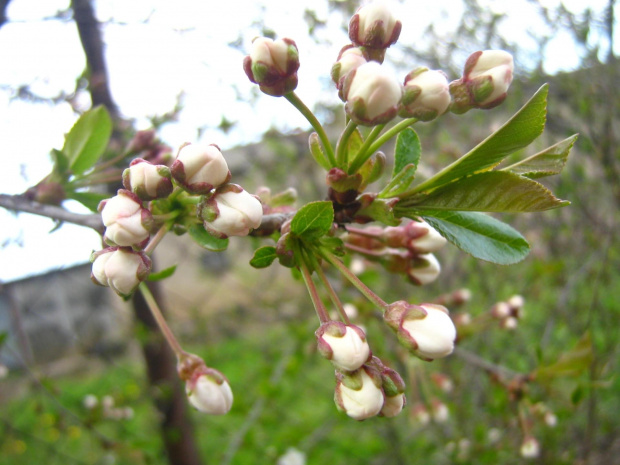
163, 274
205, 240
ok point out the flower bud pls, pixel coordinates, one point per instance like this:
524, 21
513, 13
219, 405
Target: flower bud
231, 211
120, 269
344, 345
273, 65
420, 413
486, 78
423, 269
90, 401
349, 58
372, 94
426, 95
418, 237
440, 411
530, 448
127, 222
359, 394
374, 26
393, 389
208, 391
199, 169
147, 181
426, 330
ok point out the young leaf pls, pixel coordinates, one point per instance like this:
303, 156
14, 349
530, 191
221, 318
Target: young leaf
546, 163
263, 257
381, 210
313, 220
408, 150
87, 139
571, 363
525, 126
399, 183
163, 274
206, 240
491, 191
89, 199
354, 144
480, 235
317, 151
61, 164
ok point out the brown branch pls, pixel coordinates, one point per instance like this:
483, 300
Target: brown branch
491, 368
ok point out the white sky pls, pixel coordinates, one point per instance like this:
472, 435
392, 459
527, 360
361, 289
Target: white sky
182, 47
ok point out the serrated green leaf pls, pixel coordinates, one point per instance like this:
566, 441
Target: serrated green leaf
407, 152
313, 220
399, 183
87, 139
525, 126
263, 257
546, 163
206, 240
492, 191
478, 234
163, 274
89, 199
571, 363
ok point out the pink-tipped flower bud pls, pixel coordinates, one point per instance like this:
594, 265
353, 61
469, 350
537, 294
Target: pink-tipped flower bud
423, 269
486, 78
231, 211
393, 389
199, 169
344, 345
147, 181
374, 27
422, 238
127, 222
440, 411
349, 58
426, 330
426, 95
273, 65
530, 448
208, 391
372, 94
120, 269
359, 394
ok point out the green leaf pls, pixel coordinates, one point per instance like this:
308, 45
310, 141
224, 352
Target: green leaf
571, 363
60, 164
399, 183
546, 163
577, 395
87, 139
317, 151
407, 152
381, 210
206, 240
263, 257
480, 235
525, 126
334, 244
163, 274
89, 199
354, 143
492, 191
313, 220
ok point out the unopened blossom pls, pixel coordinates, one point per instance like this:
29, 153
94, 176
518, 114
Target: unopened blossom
426, 95
273, 65
292, 456
416, 236
425, 329
393, 389
121, 269
486, 78
530, 448
231, 211
424, 269
147, 181
359, 394
440, 411
127, 222
375, 28
372, 94
349, 58
208, 391
199, 169
344, 345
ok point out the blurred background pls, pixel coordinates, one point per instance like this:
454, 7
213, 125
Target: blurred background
83, 374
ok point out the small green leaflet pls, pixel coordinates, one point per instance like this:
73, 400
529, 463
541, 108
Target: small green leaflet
571, 363
546, 163
163, 274
206, 240
87, 139
263, 257
313, 220
480, 235
408, 150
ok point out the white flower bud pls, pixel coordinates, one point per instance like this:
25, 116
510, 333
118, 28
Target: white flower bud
146, 180
441, 414
516, 302
510, 323
90, 401
292, 457
372, 94
364, 399
426, 95
374, 26
550, 419
393, 405
421, 414
424, 269
231, 211
199, 168
273, 65
127, 222
424, 238
4, 371
210, 392
433, 335
494, 66
530, 448
349, 58
120, 269
344, 345
500, 310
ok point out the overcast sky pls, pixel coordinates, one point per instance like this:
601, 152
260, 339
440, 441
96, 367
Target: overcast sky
157, 49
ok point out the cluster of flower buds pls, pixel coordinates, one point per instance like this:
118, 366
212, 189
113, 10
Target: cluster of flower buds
226, 210
485, 81
509, 312
207, 389
406, 249
425, 329
273, 65
106, 408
